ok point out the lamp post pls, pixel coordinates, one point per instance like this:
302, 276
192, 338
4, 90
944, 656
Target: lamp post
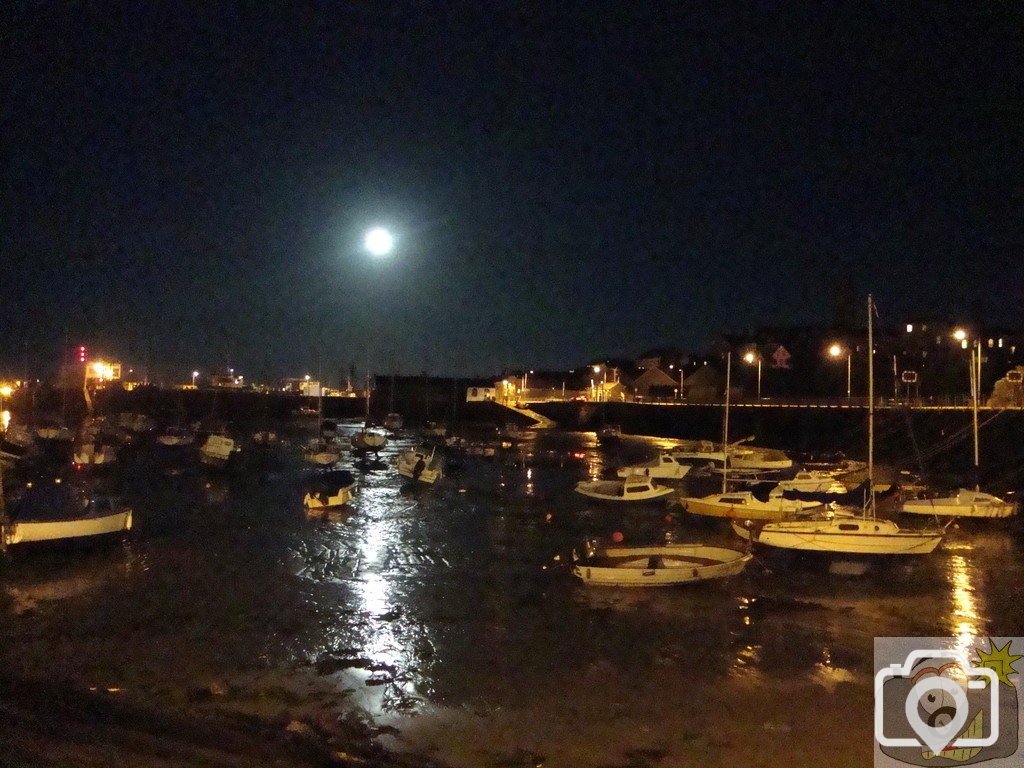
750, 358
195, 375
975, 374
836, 352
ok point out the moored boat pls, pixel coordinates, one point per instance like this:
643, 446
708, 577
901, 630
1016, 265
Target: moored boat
662, 466
420, 464
965, 503
330, 491
634, 488
745, 505
218, 450
656, 566
843, 535
54, 514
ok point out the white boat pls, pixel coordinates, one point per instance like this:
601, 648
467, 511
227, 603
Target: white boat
634, 488
218, 450
758, 458
393, 421
699, 452
93, 454
420, 464
55, 512
366, 440
656, 566
965, 503
330, 492
663, 466
812, 481
55, 432
838, 534
323, 452
176, 437
744, 505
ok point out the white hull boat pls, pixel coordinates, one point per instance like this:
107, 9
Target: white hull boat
743, 505
843, 535
322, 501
663, 467
218, 450
747, 458
176, 437
812, 481
26, 531
635, 488
657, 566
365, 440
701, 452
323, 453
420, 464
93, 455
966, 503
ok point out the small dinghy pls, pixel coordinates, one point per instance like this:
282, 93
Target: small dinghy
633, 488
218, 450
659, 565
420, 464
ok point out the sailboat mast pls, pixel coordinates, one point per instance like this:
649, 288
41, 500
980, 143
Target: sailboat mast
725, 422
871, 406
975, 393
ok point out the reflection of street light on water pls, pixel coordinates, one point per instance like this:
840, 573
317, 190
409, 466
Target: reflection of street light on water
750, 358
836, 351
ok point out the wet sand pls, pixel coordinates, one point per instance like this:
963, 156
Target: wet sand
435, 623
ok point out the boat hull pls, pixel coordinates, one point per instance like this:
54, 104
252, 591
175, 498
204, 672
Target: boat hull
853, 543
656, 495
989, 507
24, 532
740, 511
676, 564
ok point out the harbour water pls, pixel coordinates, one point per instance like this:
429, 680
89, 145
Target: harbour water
445, 619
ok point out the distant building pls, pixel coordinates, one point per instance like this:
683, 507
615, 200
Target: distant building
302, 385
653, 382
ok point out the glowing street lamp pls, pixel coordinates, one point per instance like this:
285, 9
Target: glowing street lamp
750, 358
379, 242
835, 352
195, 375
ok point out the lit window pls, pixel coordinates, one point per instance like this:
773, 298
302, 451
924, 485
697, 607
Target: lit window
963, 344
991, 343
910, 327
1000, 345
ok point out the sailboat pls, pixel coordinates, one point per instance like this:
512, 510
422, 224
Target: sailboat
323, 451
839, 530
421, 464
364, 440
965, 502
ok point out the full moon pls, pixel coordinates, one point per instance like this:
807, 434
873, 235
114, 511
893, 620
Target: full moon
379, 241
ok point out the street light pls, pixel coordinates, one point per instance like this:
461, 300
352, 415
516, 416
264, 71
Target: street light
835, 352
750, 358
195, 375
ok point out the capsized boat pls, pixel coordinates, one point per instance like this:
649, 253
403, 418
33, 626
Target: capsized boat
57, 512
633, 488
965, 503
420, 464
843, 534
662, 466
746, 505
330, 491
656, 566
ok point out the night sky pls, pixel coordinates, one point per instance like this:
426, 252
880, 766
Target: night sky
189, 188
